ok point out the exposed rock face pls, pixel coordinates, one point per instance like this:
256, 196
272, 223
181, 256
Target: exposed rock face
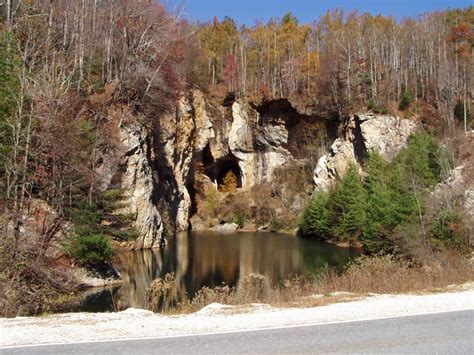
362, 133
128, 166
259, 147
203, 139
137, 181
161, 168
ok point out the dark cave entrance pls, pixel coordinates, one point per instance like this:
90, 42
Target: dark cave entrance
218, 169
225, 165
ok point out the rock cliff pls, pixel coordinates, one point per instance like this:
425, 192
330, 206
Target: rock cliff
127, 164
162, 163
203, 141
361, 134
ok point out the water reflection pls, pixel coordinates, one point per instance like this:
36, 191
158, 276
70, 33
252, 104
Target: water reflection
209, 259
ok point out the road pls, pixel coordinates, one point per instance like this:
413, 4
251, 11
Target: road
441, 333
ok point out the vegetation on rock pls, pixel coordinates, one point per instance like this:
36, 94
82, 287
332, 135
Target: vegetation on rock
387, 211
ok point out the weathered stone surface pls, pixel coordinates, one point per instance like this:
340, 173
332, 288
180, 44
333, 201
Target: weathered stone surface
240, 135
363, 133
226, 228
129, 161
137, 182
87, 278
334, 164
385, 134
231, 134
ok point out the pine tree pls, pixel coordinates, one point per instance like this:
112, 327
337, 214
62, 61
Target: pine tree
420, 159
406, 100
315, 220
349, 205
381, 212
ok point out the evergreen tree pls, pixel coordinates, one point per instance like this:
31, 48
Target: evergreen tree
349, 205
381, 211
420, 159
401, 195
406, 100
315, 220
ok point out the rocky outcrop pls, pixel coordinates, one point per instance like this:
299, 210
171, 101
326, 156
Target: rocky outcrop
128, 165
201, 141
162, 166
361, 134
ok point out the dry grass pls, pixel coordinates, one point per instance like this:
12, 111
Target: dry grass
386, 274
366, 275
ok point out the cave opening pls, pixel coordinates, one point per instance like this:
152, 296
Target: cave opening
206, 156
228, 167
221, 169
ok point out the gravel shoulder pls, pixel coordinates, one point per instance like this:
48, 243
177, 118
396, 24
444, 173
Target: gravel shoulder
135, 323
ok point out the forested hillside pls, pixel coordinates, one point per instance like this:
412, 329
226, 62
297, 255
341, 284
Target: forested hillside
90, 80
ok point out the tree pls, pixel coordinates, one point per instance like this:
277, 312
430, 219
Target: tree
9, 85
381, 212
230, 72
406, 100
349, 206
229, 183
420, 158
315, 220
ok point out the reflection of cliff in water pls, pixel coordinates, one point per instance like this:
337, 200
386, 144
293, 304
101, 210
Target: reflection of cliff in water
209, 259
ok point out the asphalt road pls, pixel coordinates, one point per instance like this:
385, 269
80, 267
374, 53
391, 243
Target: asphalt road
442, 333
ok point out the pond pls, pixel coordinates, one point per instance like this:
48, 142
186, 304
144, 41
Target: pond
209, 259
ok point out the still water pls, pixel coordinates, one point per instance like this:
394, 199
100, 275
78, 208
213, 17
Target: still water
209, 259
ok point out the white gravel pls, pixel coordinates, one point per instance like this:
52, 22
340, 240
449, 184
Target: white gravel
135, 323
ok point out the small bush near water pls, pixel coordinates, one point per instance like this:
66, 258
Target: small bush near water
367, 274
87, 245
90, 250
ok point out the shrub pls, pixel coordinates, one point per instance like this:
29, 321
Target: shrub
276, 224
372, 105
253, 288
128, 217
162, 295
90, 250
85, 214
239, 219
211, 200
448, 229
405, 102
112, 195
125, 234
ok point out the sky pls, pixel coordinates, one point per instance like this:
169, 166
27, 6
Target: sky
247, 11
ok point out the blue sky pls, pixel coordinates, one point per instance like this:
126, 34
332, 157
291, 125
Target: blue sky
247, 11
